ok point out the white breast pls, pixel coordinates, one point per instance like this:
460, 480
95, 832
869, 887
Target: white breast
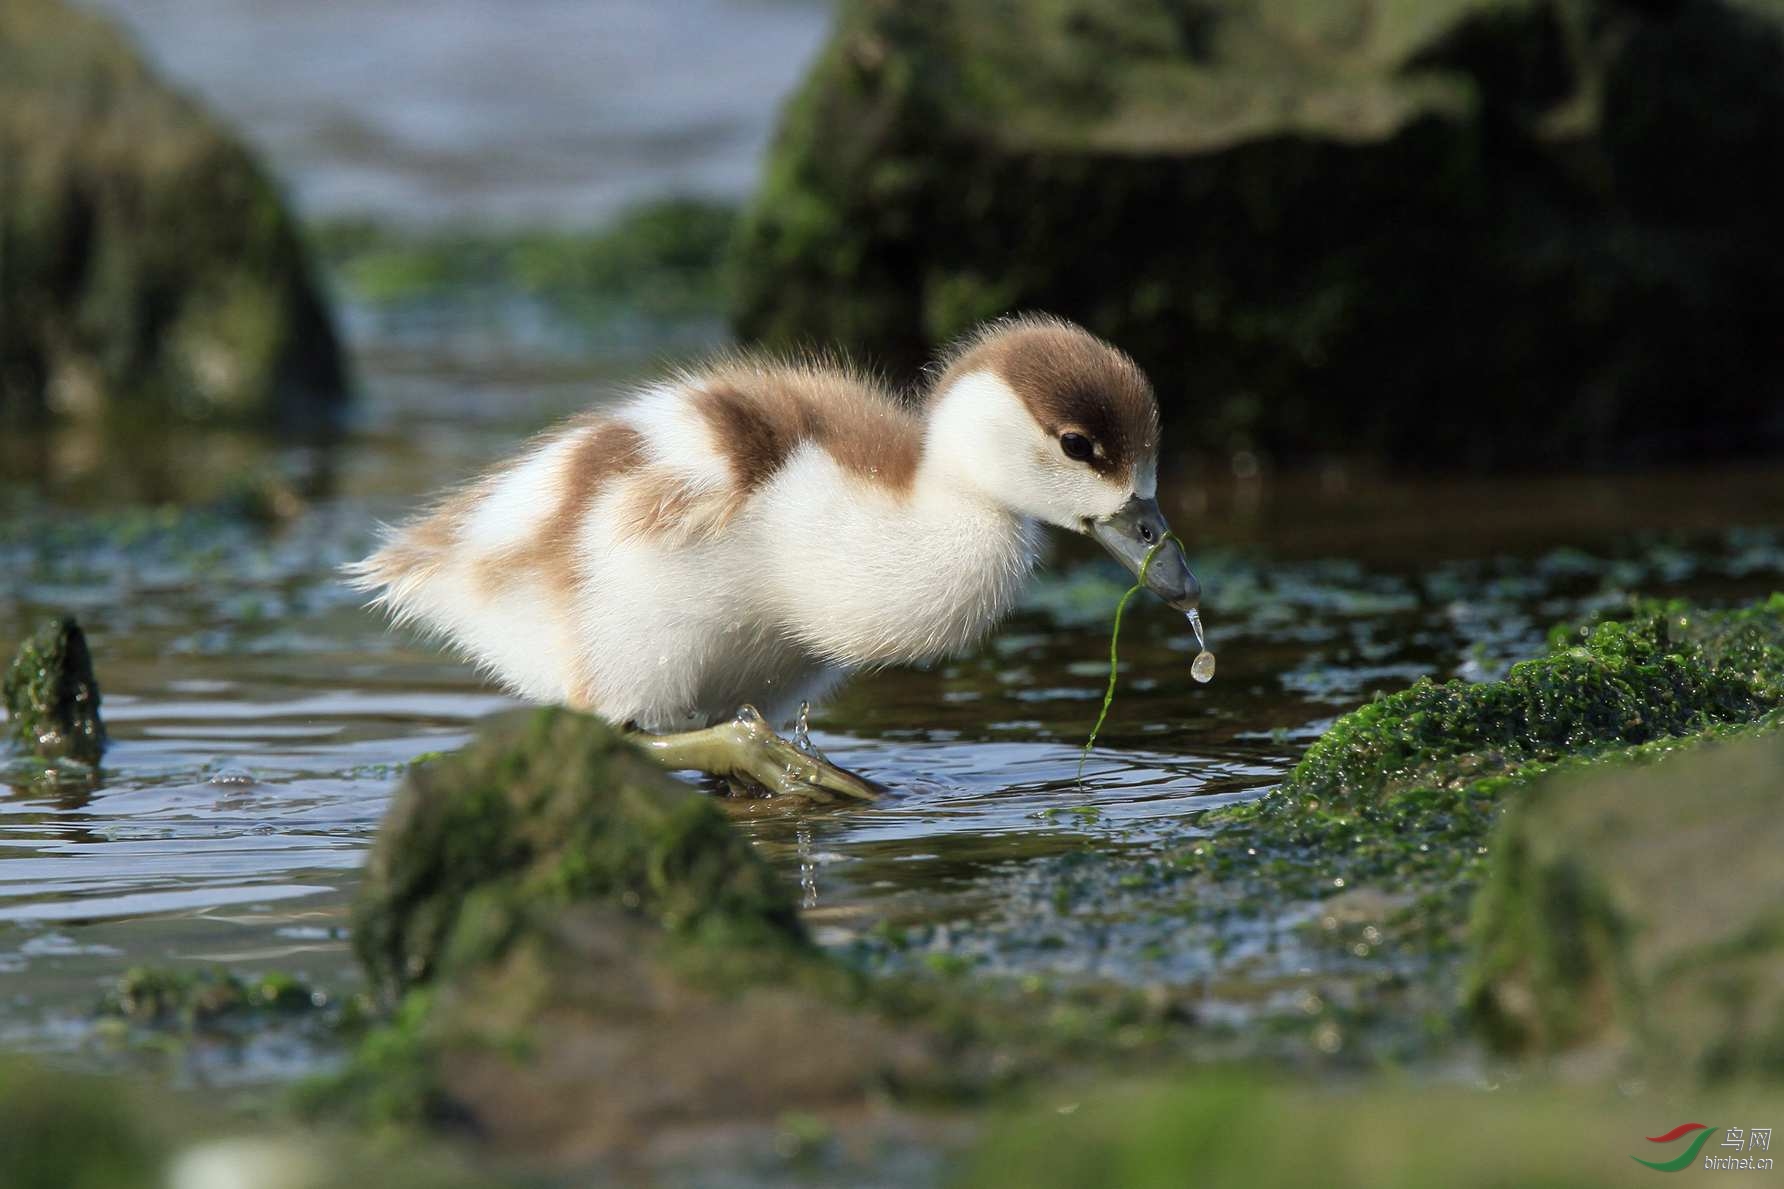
864, 576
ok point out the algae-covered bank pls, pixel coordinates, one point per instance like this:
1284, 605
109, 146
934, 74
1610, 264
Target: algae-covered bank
574, 962
1230, 1128
579, 963
1402, 794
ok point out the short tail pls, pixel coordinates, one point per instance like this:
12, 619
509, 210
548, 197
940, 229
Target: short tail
397, 573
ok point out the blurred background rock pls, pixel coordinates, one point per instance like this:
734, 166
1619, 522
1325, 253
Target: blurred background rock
147, 267
1464, 233
1469, 234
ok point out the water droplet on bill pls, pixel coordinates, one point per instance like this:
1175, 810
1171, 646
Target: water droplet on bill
1202, 668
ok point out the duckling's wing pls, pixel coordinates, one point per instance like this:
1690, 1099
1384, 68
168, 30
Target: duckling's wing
495, 566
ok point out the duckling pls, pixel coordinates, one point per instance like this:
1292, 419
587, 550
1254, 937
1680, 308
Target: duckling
731, 542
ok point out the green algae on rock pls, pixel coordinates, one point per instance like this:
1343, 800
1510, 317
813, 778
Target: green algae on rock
52, 696
147, 265
1405, 790
190, 998
544, 810
1630, 920
1262, 202
1665, 670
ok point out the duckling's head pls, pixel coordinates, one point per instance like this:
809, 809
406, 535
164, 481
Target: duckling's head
1049, 421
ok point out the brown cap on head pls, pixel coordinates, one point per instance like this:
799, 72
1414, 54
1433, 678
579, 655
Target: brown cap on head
1070, 380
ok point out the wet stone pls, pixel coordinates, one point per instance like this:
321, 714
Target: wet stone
152, 272
52, 696
1629, 923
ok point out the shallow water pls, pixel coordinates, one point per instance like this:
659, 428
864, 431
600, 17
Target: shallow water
261, 719
547, 111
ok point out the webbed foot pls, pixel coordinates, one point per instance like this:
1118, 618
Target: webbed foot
747, 749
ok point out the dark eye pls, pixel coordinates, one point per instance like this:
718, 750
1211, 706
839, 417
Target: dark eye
1077, 447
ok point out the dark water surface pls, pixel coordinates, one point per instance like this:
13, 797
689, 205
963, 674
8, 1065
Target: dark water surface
261, 719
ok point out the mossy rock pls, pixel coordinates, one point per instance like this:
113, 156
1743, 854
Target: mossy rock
1403, 793
582, 950
1664, 670
548, 809
1632, 921
148, 267
1307, 220
1223, 1127
52, 697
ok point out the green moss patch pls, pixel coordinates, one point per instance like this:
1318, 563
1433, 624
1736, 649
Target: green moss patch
194, 998
63, 1132
66, 1131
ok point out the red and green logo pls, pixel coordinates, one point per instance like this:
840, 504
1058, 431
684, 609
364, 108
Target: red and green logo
1691, 1150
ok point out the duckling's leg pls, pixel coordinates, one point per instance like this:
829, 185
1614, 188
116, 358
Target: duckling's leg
747, 747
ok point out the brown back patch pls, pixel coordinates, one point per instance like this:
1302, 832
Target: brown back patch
1069, 380
603, 450
663, 503
761, 412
